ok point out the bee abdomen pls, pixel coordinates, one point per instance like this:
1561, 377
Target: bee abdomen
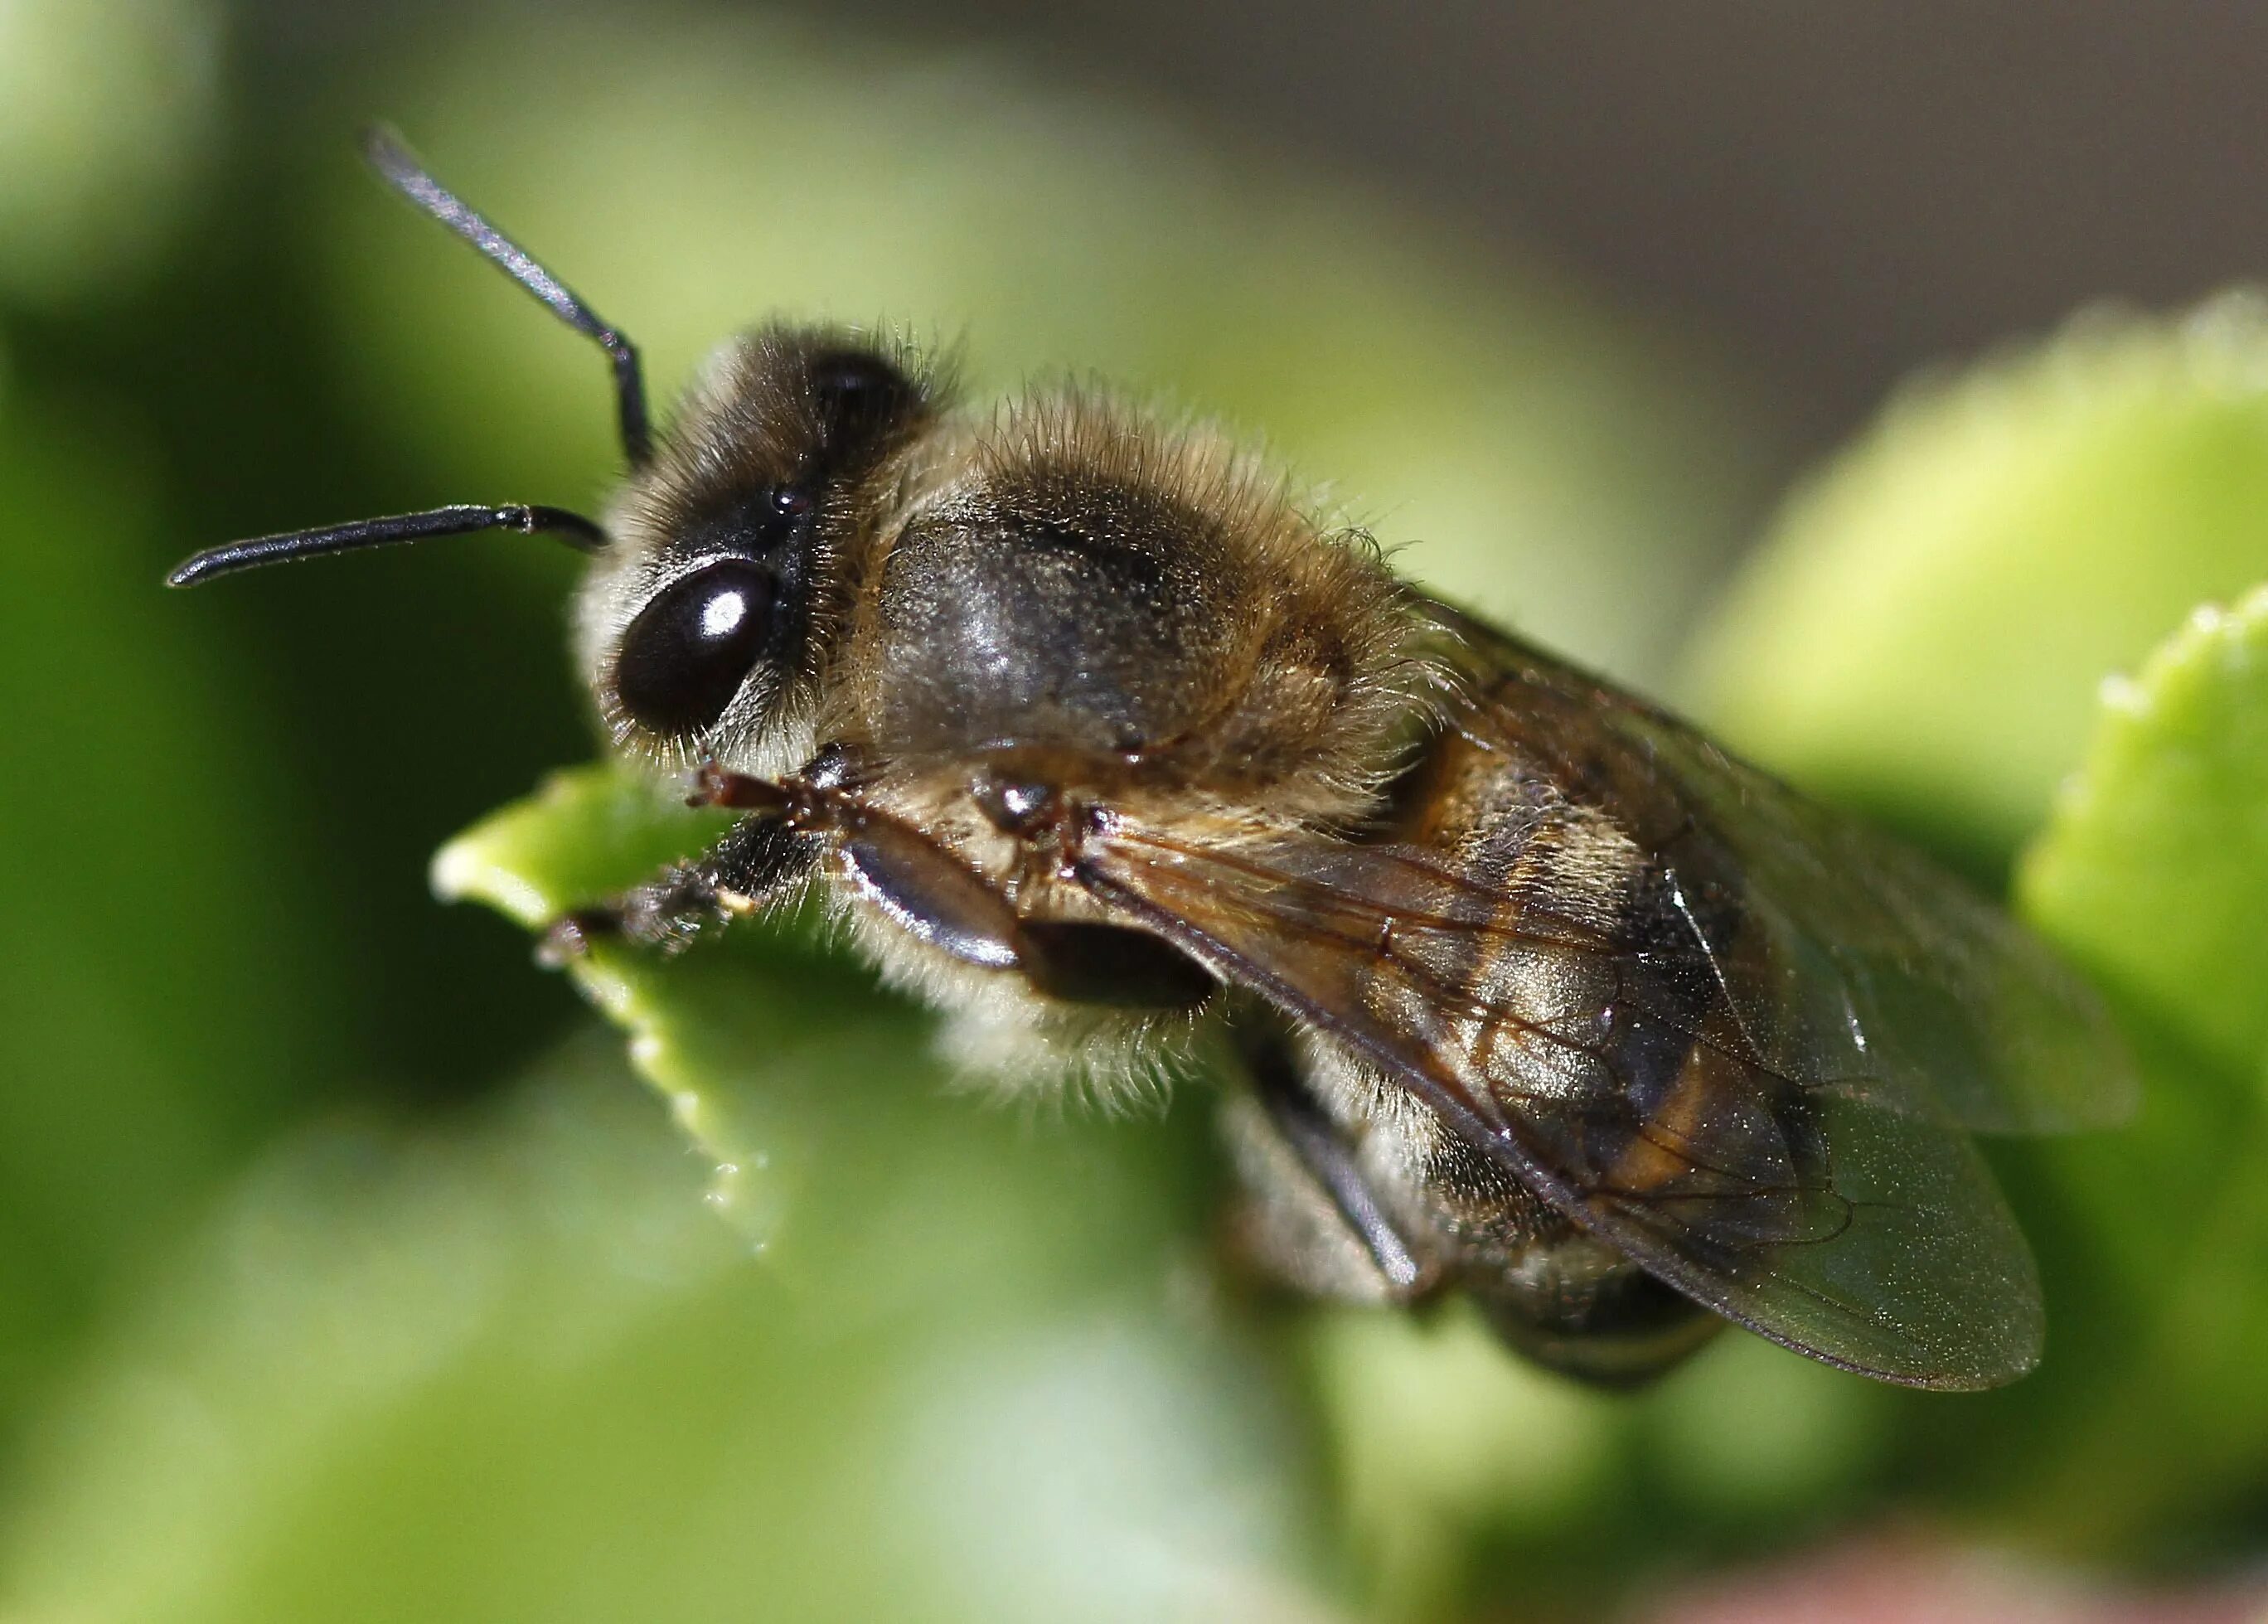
1588, 1312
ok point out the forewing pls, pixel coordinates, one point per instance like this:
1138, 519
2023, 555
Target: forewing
1889, 973
1869, 1237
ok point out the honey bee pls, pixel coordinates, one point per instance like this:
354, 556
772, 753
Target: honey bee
1096, 737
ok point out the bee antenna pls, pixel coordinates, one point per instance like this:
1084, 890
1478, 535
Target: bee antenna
573, 528
395, 162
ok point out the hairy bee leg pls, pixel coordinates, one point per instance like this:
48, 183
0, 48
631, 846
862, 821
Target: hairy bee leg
920, 885
1310, 1215
936, 897
756, 856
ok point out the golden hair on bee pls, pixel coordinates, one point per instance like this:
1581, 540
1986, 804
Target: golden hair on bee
1094, 733
1211, 637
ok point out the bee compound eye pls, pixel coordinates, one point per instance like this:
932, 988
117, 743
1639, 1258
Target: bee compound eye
687, 652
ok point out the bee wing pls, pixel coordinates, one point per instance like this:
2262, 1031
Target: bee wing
1752, 1074
1871, 1237
1887, 967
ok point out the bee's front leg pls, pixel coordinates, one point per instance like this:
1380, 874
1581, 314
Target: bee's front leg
918, 884
757, 856
930, 893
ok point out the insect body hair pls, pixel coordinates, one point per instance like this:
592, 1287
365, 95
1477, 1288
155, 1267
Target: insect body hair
1160, 599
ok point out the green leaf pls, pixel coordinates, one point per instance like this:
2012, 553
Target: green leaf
2153, 873
586, 833
1923, 632
696, 1023
2154, 870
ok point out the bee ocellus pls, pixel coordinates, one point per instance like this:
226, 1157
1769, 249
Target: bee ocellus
1095, 735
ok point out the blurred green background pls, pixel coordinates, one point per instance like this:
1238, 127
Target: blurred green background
348, 1267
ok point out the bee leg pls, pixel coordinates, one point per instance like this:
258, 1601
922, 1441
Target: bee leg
756, 857
932, 895
1310, 1214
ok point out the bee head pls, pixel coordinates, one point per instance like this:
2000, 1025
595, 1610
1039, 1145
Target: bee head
704, 627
